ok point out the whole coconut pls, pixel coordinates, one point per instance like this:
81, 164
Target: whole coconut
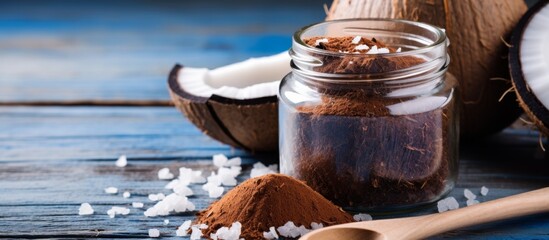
475, 29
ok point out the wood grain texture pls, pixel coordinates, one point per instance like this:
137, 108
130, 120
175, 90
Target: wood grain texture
55, 158
123, 50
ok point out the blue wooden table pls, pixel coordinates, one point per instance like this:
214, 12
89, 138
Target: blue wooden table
82, 83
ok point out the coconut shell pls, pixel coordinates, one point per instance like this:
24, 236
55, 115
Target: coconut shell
528, 101
475, 29
248, 124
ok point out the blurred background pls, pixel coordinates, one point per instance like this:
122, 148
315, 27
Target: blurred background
123, 50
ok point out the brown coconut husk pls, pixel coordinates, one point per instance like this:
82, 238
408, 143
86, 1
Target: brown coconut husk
535, 110
475, 29
248, 124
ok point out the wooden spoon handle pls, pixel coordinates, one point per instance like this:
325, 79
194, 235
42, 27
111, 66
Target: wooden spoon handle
514, 206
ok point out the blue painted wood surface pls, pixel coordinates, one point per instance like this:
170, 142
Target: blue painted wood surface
53, 158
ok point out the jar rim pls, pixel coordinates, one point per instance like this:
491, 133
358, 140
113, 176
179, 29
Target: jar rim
440, 33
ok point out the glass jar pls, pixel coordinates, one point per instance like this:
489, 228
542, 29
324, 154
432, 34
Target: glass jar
376, 137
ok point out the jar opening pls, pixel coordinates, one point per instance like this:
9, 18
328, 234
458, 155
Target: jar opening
411, 50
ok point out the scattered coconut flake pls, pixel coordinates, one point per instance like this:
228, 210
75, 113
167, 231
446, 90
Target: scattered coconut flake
171, 203
373, 50
362, 217
484, 191
172, 184
232, 233
137, 205
183, 190
111, 190
271, 234
399, 50
383, 50
182, 230
316, 226
166, 221
126, 194
289, 230
449, 203
196, 232
154, 233
469, 195
156, 197
260, 169
191, 176
356, 40
165, 174
215, 192
362, 47
117, 210
303, 230
85, 209
122, 161
323, 40
219, 160
471, 202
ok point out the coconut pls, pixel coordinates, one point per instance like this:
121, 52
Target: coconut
529, 64
475, 29
235, 104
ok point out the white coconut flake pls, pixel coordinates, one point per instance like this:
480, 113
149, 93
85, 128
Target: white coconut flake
126, 194
373, 50
156, 197
483, 191
111, 190
228, 233
323, 40
316, 226
122, 161
303, 230
399, 50
383, 50
215, 192
289, 230
362, 217
449, 203
182, 230
182, 190
154, 233
362, 47
196, 231
137, 205
469, 195
471, 202
260, 169
356, 40
171, 203
118, 210
190, 176
166, 221
219, 160
85, 209
271, 234
165, 174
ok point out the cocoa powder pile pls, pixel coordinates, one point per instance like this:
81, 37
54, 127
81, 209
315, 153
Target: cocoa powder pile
355, 152
270, 201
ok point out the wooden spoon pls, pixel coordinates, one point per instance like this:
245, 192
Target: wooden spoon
428, 225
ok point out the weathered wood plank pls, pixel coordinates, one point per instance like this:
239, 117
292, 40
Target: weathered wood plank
123, 50
54, 158
42, 200
54, 133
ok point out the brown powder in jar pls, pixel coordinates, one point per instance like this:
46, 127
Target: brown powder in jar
270, 201
354, 151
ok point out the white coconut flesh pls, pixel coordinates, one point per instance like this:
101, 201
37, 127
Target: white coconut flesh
249, 79
534, 55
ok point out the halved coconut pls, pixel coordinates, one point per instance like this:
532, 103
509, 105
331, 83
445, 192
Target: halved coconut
235, 104
529, 64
